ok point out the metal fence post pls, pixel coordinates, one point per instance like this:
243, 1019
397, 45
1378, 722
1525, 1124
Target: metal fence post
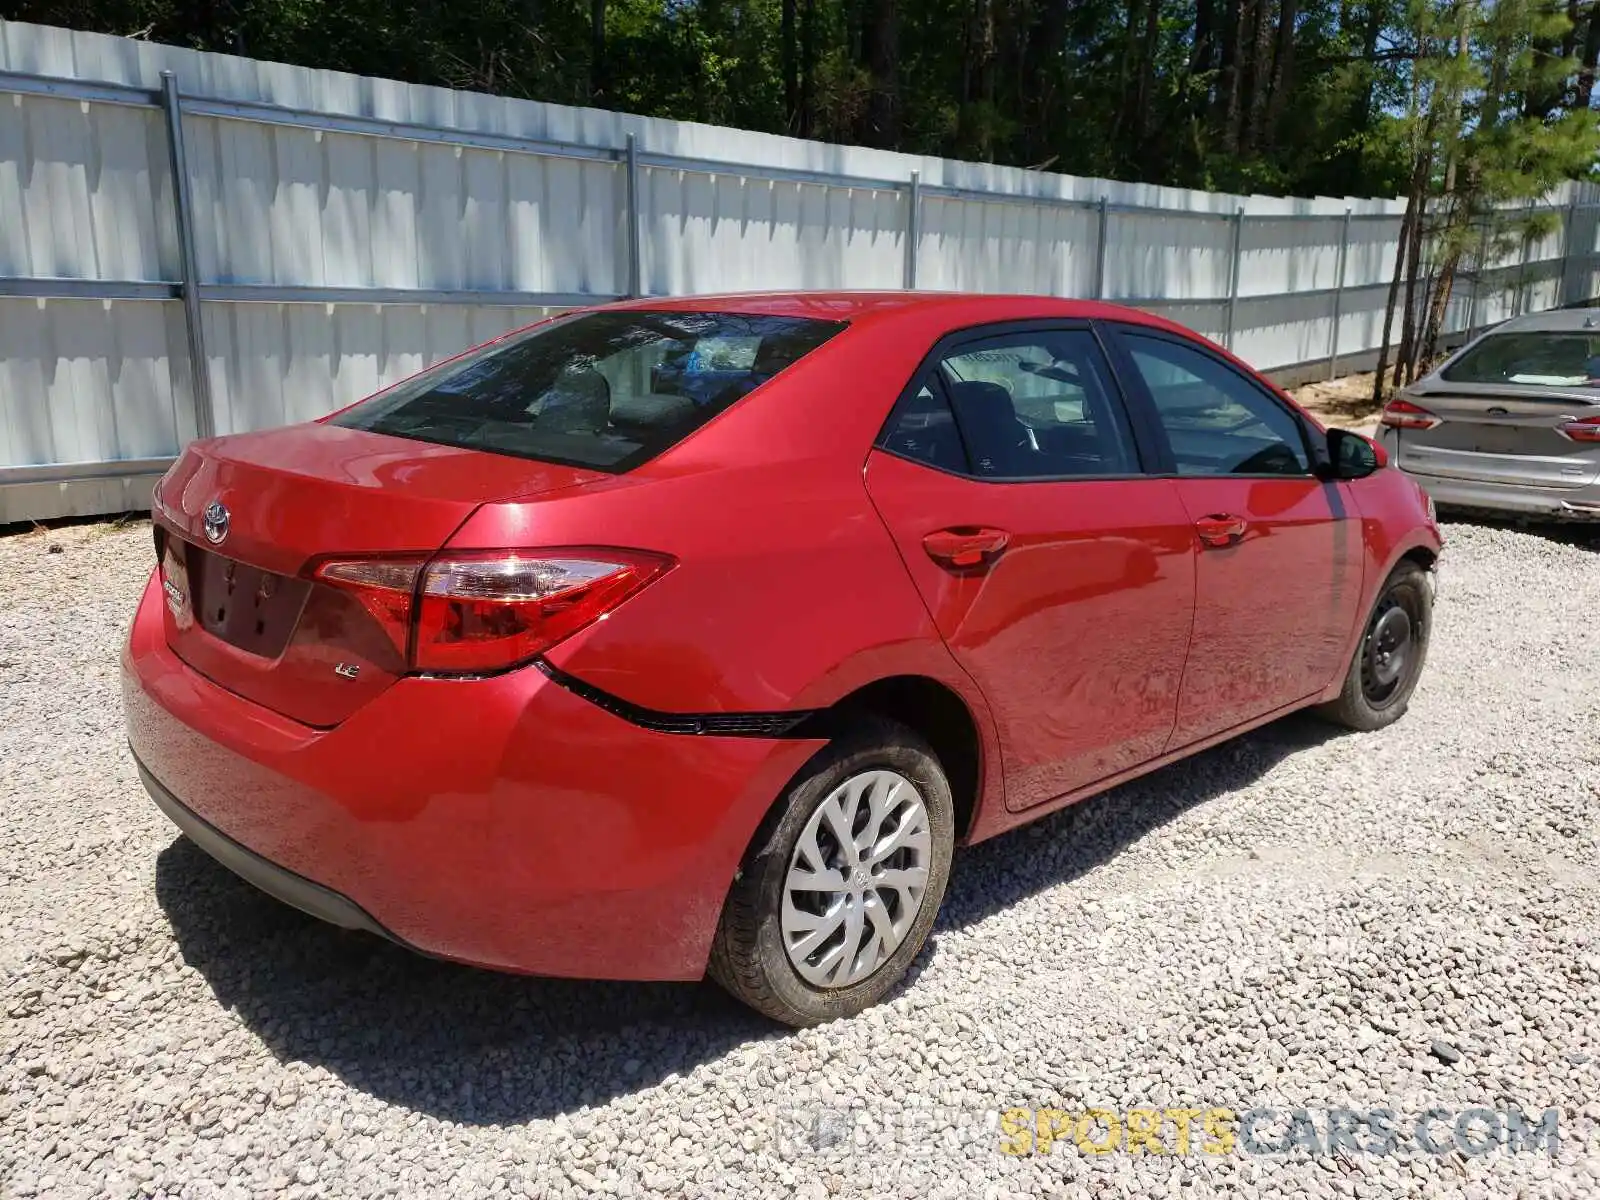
1338, 297
635, 239
913, 227
1100, 249
1521, 299
1567, 227
1233, 273
188, 261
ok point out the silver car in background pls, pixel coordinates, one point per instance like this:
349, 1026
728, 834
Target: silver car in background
1509, 423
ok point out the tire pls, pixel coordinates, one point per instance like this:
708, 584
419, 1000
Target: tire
1369, 701
750, 954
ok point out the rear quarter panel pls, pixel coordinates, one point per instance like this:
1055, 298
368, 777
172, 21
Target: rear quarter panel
785, 595
788, 591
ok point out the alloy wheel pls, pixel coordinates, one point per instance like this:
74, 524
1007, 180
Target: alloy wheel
856, 879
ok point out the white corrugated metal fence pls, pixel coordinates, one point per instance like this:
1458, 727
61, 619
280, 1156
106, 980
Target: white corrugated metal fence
339, 232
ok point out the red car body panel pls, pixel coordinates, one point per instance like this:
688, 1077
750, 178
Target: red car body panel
315, 491
537, 852
1077, 634
1249, 652
1386, 503
533, 820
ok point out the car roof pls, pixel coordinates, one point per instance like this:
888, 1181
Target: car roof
960, 308
1570, 320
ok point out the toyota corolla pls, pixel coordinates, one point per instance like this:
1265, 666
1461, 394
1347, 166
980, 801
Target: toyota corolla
694, 635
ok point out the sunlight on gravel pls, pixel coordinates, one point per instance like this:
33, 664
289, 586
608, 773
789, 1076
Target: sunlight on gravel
1298, 919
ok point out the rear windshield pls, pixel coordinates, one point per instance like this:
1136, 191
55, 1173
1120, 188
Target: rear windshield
1555, 359
607, 390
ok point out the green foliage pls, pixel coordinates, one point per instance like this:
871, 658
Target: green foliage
1303, 97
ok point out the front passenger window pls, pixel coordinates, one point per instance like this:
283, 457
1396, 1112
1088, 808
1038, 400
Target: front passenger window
1217, 422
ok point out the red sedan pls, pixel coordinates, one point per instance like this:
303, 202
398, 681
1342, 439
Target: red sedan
689, 635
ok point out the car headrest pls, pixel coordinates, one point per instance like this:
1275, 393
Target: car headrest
652, 409
986, 401
996, 440
579, 402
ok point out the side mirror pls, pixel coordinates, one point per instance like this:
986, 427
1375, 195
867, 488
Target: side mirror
1351, 456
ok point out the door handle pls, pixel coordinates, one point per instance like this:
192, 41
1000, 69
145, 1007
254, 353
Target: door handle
964, 547
1220, 529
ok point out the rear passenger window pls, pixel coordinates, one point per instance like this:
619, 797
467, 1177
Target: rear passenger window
923, 429
1035, 405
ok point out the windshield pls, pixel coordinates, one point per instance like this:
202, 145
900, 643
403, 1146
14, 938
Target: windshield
607, 390
1554, 359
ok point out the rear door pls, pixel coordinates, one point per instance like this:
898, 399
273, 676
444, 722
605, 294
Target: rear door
1061, 577
1278, 575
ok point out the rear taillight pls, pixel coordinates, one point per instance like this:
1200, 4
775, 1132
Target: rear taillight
384, 586
1581, 429
472, 613
1403, 414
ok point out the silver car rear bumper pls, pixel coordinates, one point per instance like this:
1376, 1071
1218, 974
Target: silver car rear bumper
1572, 504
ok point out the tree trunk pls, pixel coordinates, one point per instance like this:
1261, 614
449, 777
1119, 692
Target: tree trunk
1591, 53
1145, 121
1203, 50
1408, 314
1456, 208
1258, 77
1127, 115
1439, 303
808, 68
1388, 311
1362, 107
597, 52
790, 60
1045, 42
1540, 102
1226, 119
1410, 223
879, 45
976, 119
1282, 73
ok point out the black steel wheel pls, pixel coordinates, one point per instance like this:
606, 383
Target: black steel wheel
1388, 661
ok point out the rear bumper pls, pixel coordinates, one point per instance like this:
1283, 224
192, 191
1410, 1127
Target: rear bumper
1549, 503
504, 822
278, 882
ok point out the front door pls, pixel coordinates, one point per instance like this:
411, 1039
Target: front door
1061, 576
1279, 570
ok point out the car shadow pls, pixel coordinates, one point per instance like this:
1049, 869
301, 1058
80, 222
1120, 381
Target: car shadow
479, 1047
1073, 841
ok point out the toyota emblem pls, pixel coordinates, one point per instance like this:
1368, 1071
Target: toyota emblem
215, 522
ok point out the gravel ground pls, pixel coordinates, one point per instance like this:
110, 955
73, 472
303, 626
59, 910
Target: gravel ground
1297, 919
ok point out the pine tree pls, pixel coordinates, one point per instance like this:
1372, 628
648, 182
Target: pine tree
1487, 144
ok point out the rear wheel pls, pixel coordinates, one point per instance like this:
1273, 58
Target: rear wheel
842, 884
1388, 661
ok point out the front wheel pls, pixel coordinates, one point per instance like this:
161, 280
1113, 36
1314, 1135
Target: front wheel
1388, 661
842, 884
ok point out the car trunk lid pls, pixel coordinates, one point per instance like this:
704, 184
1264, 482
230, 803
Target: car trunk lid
241, 606
1501, 434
